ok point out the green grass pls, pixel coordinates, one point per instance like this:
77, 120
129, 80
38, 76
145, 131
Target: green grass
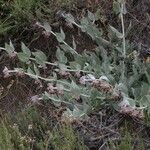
28, 130
5, 138
128, 139
25, 9
65, 138
17, 14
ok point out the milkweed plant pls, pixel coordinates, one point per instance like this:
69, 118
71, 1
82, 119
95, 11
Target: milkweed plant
113, 74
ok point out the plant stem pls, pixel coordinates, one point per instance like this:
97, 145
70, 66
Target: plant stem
123, 31
46, 62
69, 70
49, 80
39, 77
66, 44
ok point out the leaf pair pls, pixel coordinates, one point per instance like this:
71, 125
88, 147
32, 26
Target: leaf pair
25, 55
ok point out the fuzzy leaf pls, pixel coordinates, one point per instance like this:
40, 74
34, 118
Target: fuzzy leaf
47, 27
60, 36
69, 18
75, 65
148, 76
91, 16
116, 32
36, 70
74, 44
23, 57
75, 90
9, 49
124, 10
65, 48
25, 49
62, 66
61, 56
97, 14
40, 57
32, 73
116, 7
11, 45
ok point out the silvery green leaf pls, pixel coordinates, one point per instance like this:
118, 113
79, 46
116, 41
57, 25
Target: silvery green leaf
97, 14
36, 70
148, 76
132, 102
62, 34
129, 28
74, 85
119, 49
59, 37
65, 48
116, 7
40, 57
136, 92
103, 41
123, 88
53, 98
75, 90
11, 45
124, 10
45, 96
75, 65
57, 103
84, 22
77, 113
25, 49
91, 16
47, 27
61, 56
9, 49
23, 57
69, 49
144, 101
74, 44
116, 32
81, 60
90, 31
69, 18
62, 66
60, 86
31, 73
145, 89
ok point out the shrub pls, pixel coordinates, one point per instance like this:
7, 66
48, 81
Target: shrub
113, 74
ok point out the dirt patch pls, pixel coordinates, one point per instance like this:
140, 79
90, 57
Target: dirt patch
106, 126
